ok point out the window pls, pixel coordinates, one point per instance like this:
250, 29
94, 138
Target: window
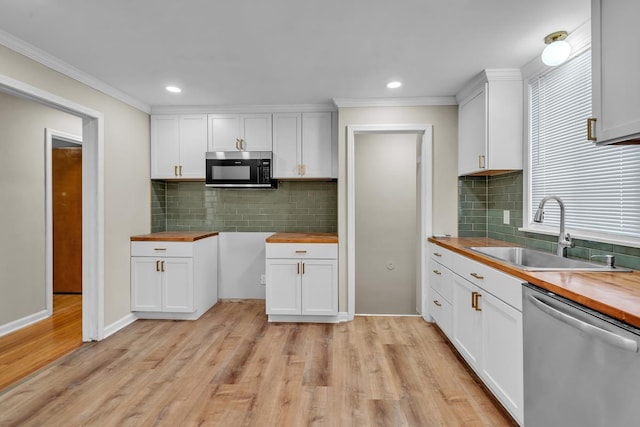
600, 186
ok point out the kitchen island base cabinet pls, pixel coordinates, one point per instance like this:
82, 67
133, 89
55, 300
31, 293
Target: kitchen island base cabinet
174, 280
301, 281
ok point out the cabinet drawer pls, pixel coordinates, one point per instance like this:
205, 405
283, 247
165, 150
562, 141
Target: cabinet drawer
442, 312
501, 285
441, 279
302, 250
162, 249
440, 254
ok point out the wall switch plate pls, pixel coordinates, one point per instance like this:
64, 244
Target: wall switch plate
506, 217
263, 279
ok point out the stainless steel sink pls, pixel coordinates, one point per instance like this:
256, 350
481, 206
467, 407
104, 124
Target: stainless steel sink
534, 260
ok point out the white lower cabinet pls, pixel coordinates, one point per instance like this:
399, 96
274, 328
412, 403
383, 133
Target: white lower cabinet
174, 280
486, 316
301, 280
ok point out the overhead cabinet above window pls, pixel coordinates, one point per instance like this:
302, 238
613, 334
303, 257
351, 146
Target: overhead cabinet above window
615, 62
240, 132
490, 123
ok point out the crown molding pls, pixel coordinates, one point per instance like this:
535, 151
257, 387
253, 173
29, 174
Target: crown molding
23, 48
222, 109
395, 102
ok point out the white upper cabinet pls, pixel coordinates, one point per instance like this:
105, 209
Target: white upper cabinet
303, 145
240, 132
178, 146
615, 62
490, 121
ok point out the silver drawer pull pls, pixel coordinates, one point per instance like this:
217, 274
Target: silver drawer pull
477, 276
437, 272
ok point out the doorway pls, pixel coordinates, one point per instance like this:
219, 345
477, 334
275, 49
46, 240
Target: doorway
92, 204
423, 208
386, 228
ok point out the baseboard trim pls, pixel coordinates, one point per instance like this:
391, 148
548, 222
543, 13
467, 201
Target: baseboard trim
339, 318
119, 324
21, 323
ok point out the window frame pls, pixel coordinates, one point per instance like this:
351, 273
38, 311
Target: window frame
581, 42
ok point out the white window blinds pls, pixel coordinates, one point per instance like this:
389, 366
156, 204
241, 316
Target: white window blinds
600, 186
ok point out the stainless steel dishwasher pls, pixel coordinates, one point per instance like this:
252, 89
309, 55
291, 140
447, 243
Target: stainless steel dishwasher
581, 368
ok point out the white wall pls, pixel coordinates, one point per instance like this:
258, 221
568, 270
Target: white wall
445, 166
241, 258
22, 191
385, 220
126, 174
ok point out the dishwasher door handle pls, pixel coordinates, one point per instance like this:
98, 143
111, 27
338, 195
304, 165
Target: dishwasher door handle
604, 335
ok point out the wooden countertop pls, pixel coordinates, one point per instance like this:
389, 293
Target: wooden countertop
173, 236
614, 294
303, 238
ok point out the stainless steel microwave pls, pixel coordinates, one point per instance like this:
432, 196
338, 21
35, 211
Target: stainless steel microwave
239, 169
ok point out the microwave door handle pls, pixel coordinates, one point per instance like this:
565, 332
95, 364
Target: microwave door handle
604, 335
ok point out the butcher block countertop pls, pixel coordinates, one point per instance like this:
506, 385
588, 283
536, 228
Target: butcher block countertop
614, 294
303, 238
173, 236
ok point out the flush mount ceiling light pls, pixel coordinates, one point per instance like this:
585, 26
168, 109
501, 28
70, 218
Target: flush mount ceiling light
557, 50
394, 85
173, 89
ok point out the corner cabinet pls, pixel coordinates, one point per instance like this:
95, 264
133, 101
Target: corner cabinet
301, 281
482, 317
240, 132
178, 146
615, 43
174, 280
490, 123
303, 145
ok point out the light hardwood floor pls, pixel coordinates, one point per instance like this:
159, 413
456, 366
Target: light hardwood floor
232, 368
29, 349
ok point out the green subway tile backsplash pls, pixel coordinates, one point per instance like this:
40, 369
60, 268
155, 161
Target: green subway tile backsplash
489, 197
295, 206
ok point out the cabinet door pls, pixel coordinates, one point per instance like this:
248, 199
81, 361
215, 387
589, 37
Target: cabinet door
502, 352
472, 124
178, 285
165, 146
319, 287
287, 136
615, 62
256, 132
146, 284
224, 130
283, 286
316, 145
193, 146
467, 321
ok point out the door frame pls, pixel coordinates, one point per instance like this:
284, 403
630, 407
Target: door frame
92, 199
49, 136
425, 131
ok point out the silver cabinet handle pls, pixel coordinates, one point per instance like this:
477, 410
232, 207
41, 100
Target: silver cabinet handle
604, 335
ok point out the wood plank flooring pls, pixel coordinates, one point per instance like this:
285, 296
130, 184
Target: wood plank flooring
232, 368
29, 349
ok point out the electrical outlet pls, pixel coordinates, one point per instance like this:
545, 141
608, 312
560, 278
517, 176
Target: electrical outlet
263, 279
506, 217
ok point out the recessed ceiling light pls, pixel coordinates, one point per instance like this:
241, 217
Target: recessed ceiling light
394, 85
173, 89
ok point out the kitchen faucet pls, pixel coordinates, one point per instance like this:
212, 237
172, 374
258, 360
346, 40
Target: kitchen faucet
564, 239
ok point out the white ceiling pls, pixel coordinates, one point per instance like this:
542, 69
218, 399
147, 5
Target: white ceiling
248, 52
